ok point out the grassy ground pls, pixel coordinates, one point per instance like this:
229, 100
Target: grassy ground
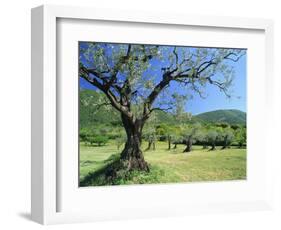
170, 166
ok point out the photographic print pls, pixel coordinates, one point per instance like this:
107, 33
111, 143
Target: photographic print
152, 114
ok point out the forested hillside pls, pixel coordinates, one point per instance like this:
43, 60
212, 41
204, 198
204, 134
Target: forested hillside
230, 116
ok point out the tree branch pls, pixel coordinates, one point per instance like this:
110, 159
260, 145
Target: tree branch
161, 109
220, 85
84, 73
158, 88
235, 58
176, 54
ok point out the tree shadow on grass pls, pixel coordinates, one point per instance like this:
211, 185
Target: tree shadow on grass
116, 172
105, 175
88, 162
96, 146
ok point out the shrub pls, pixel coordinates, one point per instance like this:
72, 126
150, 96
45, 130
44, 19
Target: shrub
99, 140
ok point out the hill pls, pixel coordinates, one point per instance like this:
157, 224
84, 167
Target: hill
230, 116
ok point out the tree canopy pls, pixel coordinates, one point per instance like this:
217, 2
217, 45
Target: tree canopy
138, 79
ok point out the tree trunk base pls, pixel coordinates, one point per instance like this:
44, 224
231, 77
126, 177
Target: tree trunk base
133, 161
187, 149
118, 170
121, 168
115, 171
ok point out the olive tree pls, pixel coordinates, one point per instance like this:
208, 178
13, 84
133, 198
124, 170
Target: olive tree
151, 137
189, 134
202, 137
227, 136
212, 137
166, 133
241, 136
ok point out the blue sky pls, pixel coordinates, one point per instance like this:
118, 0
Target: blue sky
215, 99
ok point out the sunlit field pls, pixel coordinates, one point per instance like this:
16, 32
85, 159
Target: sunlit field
167, 166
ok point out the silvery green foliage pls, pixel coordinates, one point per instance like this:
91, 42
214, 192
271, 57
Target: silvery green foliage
212, 135
188, 131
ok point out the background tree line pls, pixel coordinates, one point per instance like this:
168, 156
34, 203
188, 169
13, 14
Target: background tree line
100, 124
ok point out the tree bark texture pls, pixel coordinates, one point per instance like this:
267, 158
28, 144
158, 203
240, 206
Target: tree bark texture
132, 154
188, 145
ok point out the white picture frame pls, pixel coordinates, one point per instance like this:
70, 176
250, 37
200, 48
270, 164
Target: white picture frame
46, 182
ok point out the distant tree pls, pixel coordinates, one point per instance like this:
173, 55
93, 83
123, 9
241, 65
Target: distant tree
181, 116
169, 137
177, 139
212, 137
202, 137
151, 139
241, 136
150, 135
189, 135
227, 136
167, 132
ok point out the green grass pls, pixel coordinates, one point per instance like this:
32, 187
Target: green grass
170, 166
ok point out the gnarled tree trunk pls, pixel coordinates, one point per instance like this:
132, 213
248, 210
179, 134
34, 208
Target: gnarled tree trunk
149, 145
225, 142
213, 146
169, 142
132, 155
188, 145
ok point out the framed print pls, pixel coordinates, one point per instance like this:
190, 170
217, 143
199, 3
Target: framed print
142, 114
